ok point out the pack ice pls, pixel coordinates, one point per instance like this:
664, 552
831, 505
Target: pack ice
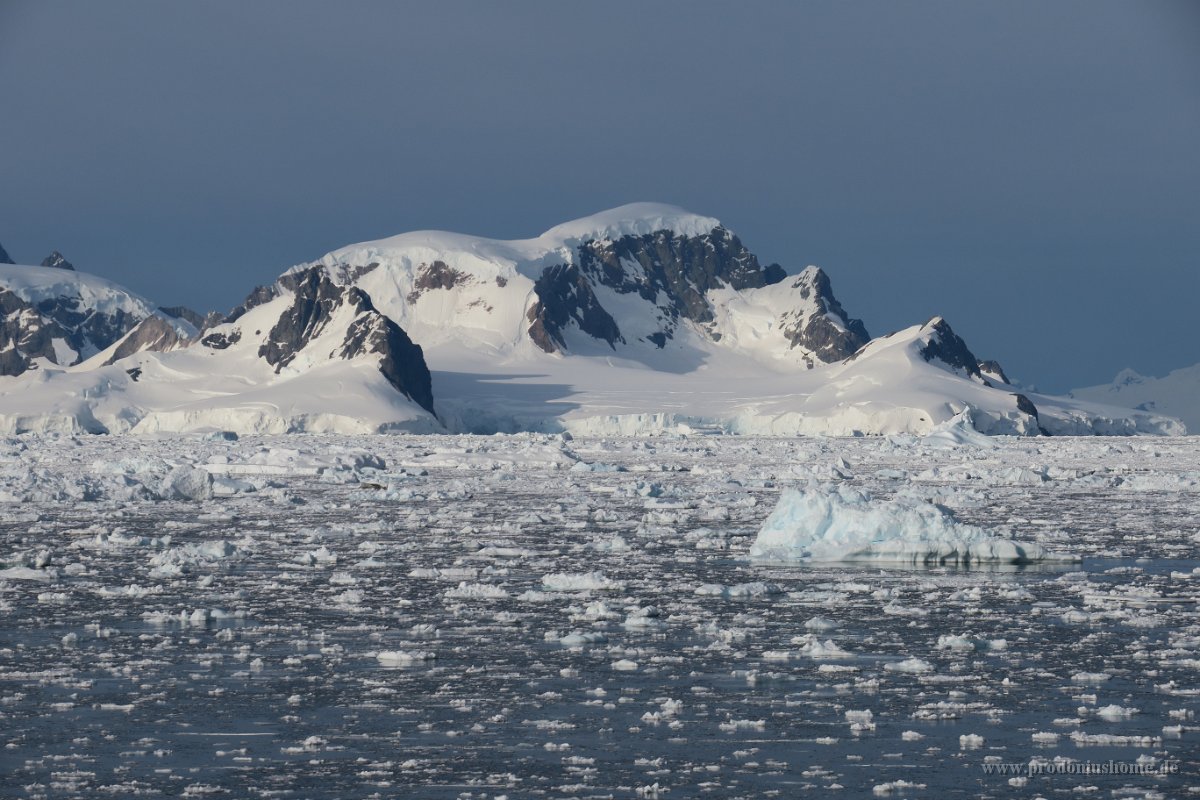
845, 524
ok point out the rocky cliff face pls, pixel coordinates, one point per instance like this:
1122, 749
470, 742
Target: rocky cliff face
4, 257
201, 322
564, 295
944, 345
25, 335
62, 330
153, 334
819, 324
673, 273
401, 361
316, 303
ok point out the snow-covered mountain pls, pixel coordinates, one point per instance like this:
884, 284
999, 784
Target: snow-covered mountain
645, 281
304, 355
53, 315
635, 320
1177, 394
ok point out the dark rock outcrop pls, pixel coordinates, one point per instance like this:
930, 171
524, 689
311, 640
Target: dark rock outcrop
992, 370
221, 341
56, 261
671, 271
565, 295
683, 268
24, 335
402, 362
256, 298
1026, 405
4, 257
186, 314
153, 334
813, 330
944, 345
316, 299
28, 331
438, 275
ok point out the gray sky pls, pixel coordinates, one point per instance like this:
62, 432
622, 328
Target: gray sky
1028, 170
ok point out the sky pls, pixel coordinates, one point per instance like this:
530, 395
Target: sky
1028, 170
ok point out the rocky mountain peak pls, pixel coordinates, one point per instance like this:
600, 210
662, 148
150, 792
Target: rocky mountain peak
316, 300
941, 343
671, 271
56, 261
820, 325
4, 257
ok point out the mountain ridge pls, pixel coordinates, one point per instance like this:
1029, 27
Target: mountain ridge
643, 318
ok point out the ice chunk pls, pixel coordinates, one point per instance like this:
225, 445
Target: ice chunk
843, 524
27, 574
187, 483
1089, 677
582, 638
813, 647
404, 658
820, 624
915, 666
892, 787
1115, 713
752, 589
580, 582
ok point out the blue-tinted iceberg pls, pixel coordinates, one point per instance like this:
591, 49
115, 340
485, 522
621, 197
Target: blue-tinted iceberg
843, 524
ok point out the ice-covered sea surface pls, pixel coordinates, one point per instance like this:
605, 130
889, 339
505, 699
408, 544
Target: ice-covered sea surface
525, 616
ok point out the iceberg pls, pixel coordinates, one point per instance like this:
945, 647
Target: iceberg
821, 524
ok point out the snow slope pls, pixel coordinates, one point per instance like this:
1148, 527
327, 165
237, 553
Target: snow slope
888, 388
1176, 394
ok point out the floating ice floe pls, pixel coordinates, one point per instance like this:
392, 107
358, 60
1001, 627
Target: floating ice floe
404, 658
970, 741
581, 582
914, 666
842, 524
892, 787
814, 648
28, 574
752, 589
1115, 713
